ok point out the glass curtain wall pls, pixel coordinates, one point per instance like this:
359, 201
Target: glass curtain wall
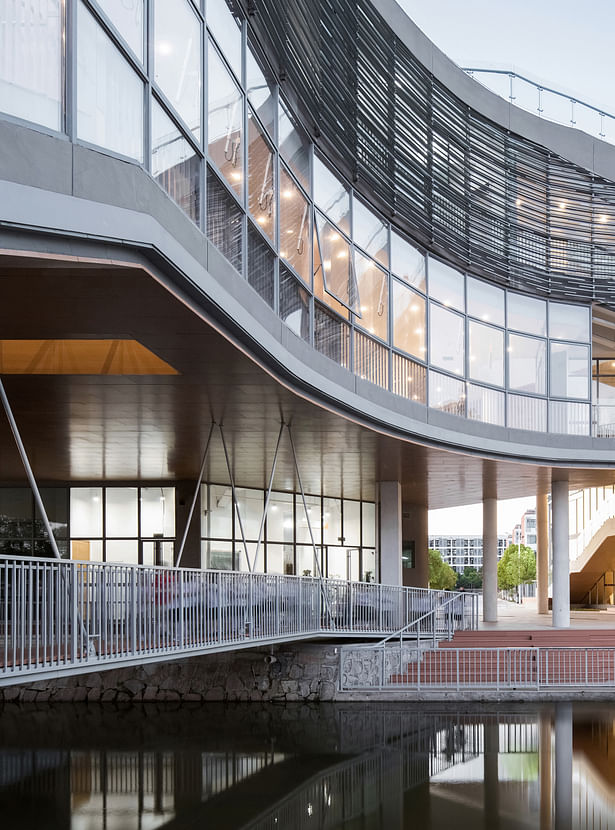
218, 137
344, 532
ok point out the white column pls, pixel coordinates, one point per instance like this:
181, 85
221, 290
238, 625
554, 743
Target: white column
563, 766
390, 532
542, 553
561, 556
490, 560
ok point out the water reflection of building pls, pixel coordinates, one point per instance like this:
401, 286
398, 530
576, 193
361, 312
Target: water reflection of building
386, 768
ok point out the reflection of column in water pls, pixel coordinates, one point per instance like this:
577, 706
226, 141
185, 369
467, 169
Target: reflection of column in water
544, 750
491, 748
393, 791
563, 766
158, 784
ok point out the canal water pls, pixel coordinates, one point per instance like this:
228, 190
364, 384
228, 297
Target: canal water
352, 766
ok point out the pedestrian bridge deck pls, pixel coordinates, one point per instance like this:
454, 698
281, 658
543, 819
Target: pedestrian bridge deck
68, 617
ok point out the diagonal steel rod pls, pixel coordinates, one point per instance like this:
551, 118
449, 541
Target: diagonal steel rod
273, 466
28, 469
197, 490
309, 524
236, 505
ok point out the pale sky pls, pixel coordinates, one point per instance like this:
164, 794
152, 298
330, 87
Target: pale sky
468, 520
565, 44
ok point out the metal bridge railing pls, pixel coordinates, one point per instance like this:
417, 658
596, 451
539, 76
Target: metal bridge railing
402, 666
68, 615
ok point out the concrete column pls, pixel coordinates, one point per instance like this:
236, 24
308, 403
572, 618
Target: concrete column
490, 560
563, 766
390, 533
561, 556
542, 553
415, 529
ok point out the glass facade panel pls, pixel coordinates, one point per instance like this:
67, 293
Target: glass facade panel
315, 520
407, 262
409, 378
250, 505
217, 556
55, 500
447, 394
352, 522
294, 226
373, 287
370, 233
280, 559
331, 336
446, 339
369, 524
261, 263
224, 220
527, 367
527, 314
306, 564
259, 93
261, 178
486, 405
225, 122
175, 165
31, 36
339, 277
527, 413
331, 195
294, 148
217, 507
408, 320
227, 32
15, 514
486, 346
281, 518
109, 92
569, 370
122, 550
332, 521
486, 302
568, 322
86, 512
294, 304
121, 511
157, 553
569, 418
446, 284
370, 565
157, 511
127, 17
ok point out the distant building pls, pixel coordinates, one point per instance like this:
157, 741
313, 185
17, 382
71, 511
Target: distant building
464, 551
524, 533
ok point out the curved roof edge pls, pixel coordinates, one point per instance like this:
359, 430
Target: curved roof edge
576, 146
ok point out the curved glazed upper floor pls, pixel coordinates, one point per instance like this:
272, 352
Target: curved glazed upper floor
202, 114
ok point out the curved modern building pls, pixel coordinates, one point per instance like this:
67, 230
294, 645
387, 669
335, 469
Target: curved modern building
220, 220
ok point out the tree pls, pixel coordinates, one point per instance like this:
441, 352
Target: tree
470, 578
516, 567
441, 575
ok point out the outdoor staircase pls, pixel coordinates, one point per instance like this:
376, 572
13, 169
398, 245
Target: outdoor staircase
547, 657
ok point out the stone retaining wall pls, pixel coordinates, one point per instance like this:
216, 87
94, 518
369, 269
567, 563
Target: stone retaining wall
298, 672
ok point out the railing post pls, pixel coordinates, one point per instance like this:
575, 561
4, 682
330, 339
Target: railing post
497, 669
133, 610
382, 665
277, 604
74, 612
300, 610
457, 653
219, 595
182, 608
586, 667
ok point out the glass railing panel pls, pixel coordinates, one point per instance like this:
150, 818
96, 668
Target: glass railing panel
331, 336
447, 394
569, 418
409, 379
486, 405
371, 360
527, 413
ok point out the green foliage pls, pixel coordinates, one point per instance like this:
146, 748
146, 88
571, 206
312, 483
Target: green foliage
516, 569
441, 575
470, 578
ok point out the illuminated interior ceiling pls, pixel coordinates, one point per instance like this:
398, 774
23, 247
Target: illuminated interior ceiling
80, 357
